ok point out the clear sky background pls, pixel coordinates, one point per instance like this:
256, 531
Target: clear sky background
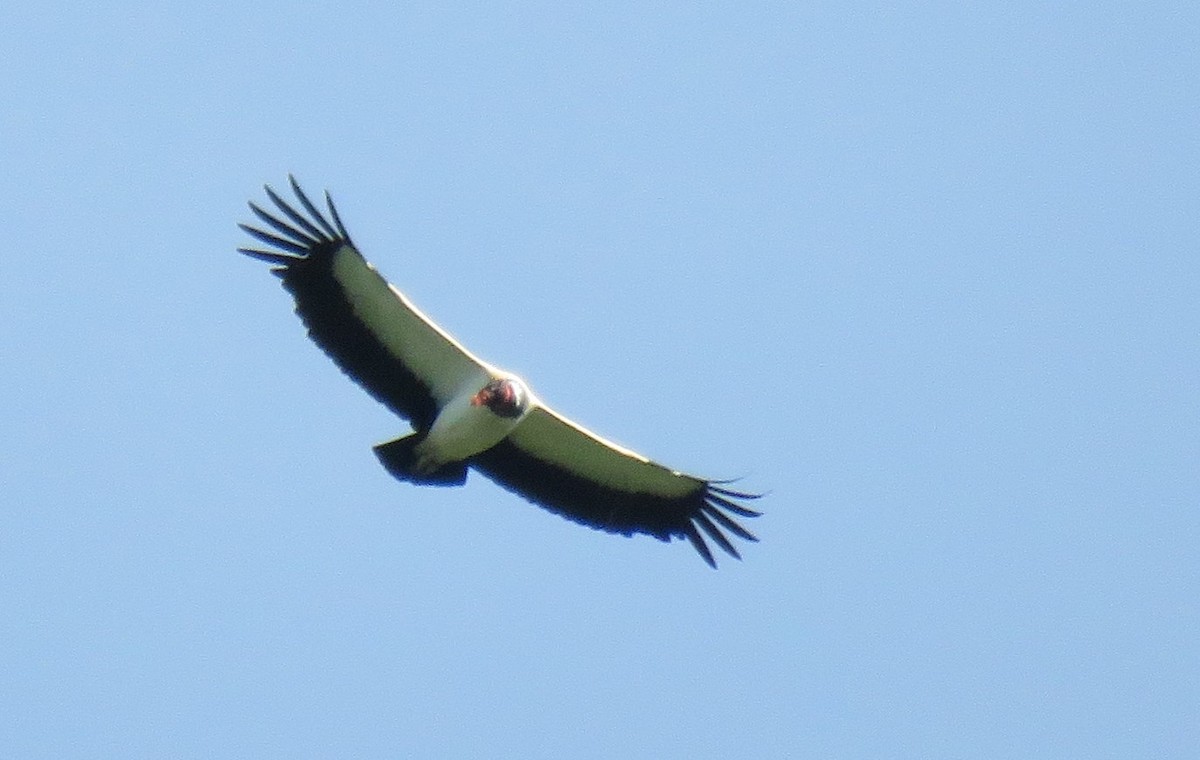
929, 275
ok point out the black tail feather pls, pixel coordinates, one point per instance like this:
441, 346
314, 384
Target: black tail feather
399, 459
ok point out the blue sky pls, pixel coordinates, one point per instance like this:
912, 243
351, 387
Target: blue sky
928, 274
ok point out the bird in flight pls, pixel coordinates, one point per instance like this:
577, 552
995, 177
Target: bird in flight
466, 413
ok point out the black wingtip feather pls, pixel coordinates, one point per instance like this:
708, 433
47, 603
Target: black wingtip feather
311, 209
715, 534
728, 523
715, 487
283, 227
699, 545
271, 257
275, 240
337, 220
292, 214
717, 497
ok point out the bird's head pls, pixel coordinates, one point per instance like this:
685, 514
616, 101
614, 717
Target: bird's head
505, 396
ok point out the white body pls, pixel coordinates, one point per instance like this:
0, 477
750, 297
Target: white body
461, 431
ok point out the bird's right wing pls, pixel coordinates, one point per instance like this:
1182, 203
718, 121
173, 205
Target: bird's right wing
361, 321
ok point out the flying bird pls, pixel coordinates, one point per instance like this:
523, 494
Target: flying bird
466, 413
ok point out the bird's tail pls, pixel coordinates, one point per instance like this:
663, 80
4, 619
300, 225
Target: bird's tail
399, 458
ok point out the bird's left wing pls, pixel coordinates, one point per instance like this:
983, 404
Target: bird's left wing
367, 326
567, 469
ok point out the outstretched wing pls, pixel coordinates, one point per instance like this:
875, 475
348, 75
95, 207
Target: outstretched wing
567, 469
362, 322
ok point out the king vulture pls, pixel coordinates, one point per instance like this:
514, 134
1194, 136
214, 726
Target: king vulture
467, 413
